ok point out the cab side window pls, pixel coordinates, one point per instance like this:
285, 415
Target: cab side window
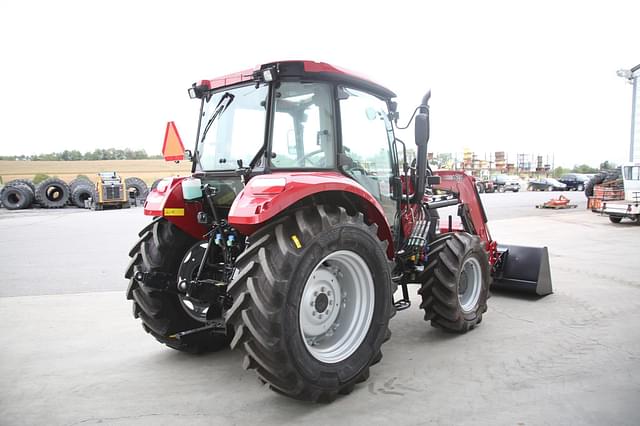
366, 140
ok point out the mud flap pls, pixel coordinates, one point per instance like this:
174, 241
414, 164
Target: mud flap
524, 269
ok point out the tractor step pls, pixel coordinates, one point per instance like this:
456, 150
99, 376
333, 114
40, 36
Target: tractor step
402, 304
405, 302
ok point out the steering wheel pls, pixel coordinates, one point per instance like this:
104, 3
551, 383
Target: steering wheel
305, 158
358, 168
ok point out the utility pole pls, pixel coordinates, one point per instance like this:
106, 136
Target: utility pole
631, 76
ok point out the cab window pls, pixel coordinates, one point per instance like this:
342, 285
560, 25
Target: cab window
632, 172
303, 126
366, 140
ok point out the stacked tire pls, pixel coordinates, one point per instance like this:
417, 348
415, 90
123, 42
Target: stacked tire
52, 193
137, 188
606, 176
81, 190
17, 194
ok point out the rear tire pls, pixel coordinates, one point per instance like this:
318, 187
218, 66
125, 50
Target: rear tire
160, 249
549, 188
455, 282
280, 297
615, 219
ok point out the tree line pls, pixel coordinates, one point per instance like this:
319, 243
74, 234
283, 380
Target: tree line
75, 155
584, 168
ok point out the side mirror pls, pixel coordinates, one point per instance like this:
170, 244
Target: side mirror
188, 155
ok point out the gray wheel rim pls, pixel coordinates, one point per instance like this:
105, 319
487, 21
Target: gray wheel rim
469, 284
336, 307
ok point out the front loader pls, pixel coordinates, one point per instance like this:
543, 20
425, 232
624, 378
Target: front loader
302, 217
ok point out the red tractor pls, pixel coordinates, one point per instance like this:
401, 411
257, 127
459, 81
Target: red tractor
301, 218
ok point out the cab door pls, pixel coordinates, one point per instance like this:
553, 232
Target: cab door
366, 136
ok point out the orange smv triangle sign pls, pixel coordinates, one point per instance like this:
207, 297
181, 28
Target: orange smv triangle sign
172, 149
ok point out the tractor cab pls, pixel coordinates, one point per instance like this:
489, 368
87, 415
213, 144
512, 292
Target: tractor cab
297, 117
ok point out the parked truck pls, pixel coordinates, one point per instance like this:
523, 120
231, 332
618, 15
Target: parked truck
630, 206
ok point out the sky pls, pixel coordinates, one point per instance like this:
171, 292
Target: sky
536, 77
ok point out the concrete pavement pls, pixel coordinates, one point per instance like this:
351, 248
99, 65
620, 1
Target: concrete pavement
570, 358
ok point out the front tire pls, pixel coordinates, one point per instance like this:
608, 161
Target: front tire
312, 302
455, 282
615, 219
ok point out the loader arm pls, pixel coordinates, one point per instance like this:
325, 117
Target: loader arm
464, 187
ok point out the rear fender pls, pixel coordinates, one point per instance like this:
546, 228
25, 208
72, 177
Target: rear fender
166, 200
266, 196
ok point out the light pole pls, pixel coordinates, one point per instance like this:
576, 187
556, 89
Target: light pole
631, 76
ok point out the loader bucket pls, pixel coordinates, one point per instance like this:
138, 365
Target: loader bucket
524, 269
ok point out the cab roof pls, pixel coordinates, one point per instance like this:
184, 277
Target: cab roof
303, 69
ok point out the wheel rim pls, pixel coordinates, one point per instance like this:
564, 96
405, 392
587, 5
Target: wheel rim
336, 307
469, 284
53, 193
195, 308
